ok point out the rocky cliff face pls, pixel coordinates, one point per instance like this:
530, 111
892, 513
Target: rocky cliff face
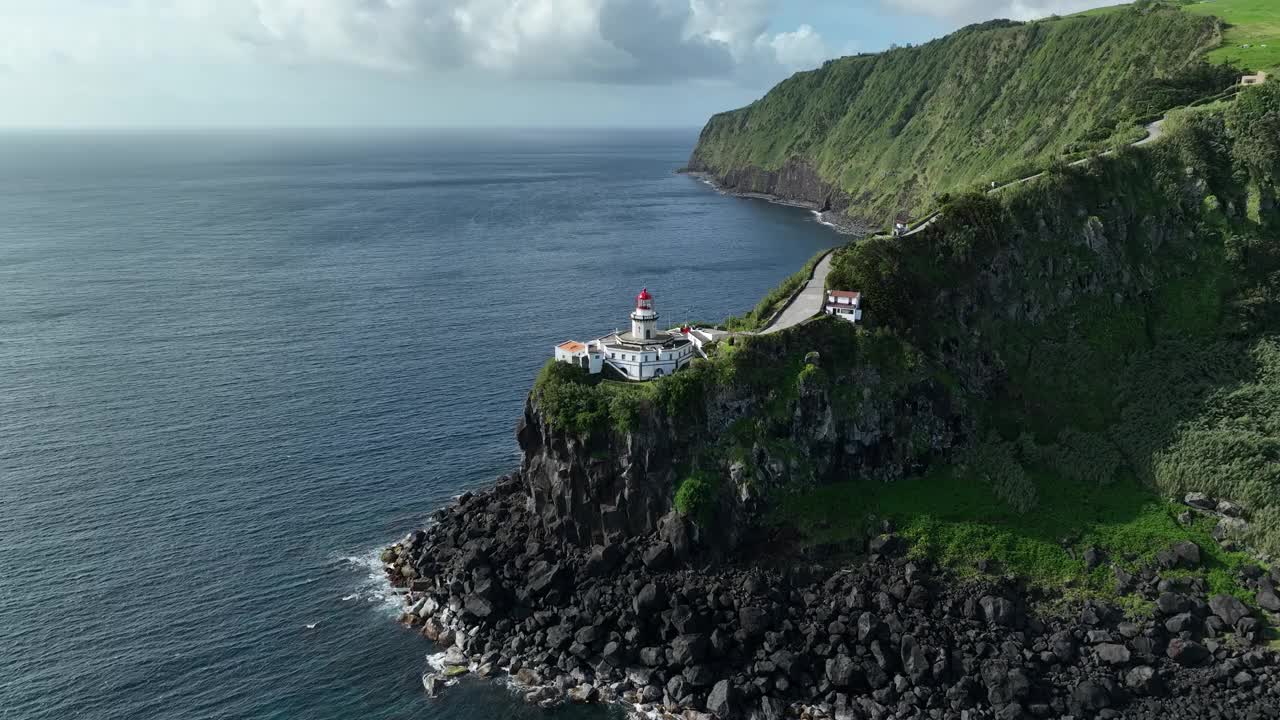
836, 419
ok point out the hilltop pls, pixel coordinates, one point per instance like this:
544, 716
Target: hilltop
880, 136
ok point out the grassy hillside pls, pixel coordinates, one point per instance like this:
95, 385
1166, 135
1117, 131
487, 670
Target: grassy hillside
1255, 23
896, 130
1118, 329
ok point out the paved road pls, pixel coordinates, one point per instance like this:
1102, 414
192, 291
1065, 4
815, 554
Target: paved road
808, 303
1154, 130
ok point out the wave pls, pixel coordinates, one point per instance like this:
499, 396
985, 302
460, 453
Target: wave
373, 588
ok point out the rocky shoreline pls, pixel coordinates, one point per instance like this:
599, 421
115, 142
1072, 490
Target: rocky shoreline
634, 621
836, 219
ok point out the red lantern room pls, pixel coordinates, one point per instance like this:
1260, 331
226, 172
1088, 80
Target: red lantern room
644, 301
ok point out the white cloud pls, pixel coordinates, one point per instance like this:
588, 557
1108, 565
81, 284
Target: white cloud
974, 10
616, 41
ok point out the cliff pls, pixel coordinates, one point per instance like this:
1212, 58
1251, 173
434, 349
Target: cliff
875, 136
769, 414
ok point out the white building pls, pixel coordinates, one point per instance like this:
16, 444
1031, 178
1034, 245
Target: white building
844, 304
644, 353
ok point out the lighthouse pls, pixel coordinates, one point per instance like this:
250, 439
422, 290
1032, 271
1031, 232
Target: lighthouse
645, 353
644, 320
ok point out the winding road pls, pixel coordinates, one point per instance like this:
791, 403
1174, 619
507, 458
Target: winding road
808, 302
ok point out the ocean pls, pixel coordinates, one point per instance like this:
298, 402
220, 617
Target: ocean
235, 364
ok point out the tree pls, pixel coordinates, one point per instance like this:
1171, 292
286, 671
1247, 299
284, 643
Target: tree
1254, 124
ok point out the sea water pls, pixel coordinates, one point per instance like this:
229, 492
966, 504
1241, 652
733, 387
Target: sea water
235, 364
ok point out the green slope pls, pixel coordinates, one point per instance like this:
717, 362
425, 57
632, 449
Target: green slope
1252, 23
988, 103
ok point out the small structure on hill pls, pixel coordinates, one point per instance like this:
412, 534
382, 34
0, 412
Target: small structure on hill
1258, 79
844, 304
644, 353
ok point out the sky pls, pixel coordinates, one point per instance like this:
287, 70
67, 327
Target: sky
441, 63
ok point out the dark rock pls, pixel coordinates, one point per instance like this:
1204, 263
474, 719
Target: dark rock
1172, 603
1090, 696
998, 611
547, 577
1093, 558
659, 557
1229, 608
723, 701
1269, 600
1187, 653
914, 662
770, 709
1181, 555
1145, 681
841, 671
650, 600
699, 676
890, 545
753, 621
1004, 684
1112, 654
690, 649
1200, 501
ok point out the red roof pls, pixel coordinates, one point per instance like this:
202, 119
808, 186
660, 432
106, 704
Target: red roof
845, 293
644, 295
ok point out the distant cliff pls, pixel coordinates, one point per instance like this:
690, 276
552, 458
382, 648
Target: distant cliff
873, 136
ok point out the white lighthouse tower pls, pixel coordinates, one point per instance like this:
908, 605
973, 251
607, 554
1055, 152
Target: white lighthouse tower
644, 320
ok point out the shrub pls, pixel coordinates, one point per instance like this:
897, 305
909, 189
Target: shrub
696, 496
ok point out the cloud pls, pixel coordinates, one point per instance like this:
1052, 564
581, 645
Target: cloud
974, 10
607, 41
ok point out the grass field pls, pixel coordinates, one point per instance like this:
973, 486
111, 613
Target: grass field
1255, 23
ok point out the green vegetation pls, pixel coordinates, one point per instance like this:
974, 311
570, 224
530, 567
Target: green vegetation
696, 496
991, 102
1255, 23
1116, 328
775, 300
949, 516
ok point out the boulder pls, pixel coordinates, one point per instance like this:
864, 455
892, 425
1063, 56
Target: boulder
659, 557
1090, 696
998, 611
1172, 604
1268, 600
650, 600
1181, 555
841, 671
546, 577
723, 701
914, 662
1187, 653
753, 621
690, 649
1112, 654
1093, 558
1200, 501
1229, 608
1004, 684
699, 676
1229, 528
771, 708
1230, 509
1144, 680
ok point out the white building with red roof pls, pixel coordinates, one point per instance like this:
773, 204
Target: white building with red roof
644, 353
844, 304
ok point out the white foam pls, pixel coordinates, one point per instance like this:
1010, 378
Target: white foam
373, 587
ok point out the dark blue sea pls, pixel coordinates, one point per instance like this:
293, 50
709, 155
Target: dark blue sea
233, 365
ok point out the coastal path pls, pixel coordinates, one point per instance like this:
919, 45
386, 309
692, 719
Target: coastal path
806, 303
